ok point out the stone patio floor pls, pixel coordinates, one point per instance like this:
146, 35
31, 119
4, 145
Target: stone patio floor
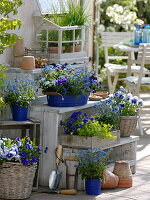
141, 179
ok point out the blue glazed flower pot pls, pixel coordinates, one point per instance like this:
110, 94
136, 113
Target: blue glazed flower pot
67, 101
93, 186
19, 113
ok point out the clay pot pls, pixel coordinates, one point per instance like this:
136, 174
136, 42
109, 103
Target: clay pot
28, 63
17, 61
77, 48
55, 49
110, 180
123, 171
18, 48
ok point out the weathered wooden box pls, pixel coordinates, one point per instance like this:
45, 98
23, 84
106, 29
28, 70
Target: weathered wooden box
84, 142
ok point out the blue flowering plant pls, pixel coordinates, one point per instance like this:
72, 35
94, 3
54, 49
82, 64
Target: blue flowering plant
81, 124
66, 80
93, 162
20, 150
19, 92
121, 103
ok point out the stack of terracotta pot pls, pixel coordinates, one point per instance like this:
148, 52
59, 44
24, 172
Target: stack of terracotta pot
18, 52
120, 178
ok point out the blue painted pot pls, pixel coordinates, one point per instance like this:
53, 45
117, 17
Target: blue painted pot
19, 113
93, 186
67, 100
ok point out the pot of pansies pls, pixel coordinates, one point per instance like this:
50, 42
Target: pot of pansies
92, 164
83, 131
18, 164
66, 86
19, 94
120, 110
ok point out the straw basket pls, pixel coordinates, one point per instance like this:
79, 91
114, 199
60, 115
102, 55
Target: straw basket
128, 125
16, 180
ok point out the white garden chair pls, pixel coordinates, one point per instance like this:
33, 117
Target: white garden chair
134, 83
109, 39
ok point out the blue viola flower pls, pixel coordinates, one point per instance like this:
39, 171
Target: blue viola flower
134, 100
28, 145
74, 128
140, 103
121, 105
23, 154
17, 139
25, 162
11, 154
34, 160
85, 120
120, 95
46, 150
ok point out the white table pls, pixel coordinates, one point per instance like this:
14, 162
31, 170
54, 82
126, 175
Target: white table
131, 54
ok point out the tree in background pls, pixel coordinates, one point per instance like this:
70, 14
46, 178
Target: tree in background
8, 22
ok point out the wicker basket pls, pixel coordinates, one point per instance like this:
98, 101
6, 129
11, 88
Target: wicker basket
16, 180
128, 125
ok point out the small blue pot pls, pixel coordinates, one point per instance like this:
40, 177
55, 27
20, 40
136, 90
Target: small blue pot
67, 100
93, 186
19, 113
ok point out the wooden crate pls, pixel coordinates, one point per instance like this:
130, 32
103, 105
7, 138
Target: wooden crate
75, 141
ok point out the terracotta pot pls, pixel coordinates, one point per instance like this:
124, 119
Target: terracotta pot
110, 180
123, 171
77, 48
18, 48
55, 49
17, 61
28, 63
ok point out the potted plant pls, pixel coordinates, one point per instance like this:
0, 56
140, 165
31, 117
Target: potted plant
19, 94
67, 87
85, 132
92, 163
18, 164
74, 15
120, 110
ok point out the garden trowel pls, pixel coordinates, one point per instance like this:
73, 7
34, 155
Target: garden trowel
55, 176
